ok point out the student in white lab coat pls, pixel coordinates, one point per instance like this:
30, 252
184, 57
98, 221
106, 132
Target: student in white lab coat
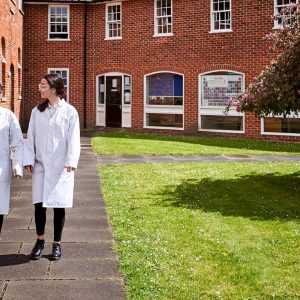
51, 154
11, 140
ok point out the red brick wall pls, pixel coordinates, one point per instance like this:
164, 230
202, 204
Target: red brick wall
11, 32
192, 50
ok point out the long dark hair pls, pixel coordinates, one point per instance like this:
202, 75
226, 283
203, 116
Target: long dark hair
56, 82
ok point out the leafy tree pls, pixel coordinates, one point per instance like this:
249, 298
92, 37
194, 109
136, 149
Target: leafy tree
277, 89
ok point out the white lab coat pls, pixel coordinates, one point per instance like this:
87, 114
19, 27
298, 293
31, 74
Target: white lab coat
52, 144
11, 140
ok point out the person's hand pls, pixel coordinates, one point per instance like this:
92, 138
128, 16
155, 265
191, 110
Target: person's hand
69, 168
18, 176
29, 168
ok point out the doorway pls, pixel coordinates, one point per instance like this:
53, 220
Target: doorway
113, 101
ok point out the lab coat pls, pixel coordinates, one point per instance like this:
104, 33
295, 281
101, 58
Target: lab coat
52, 144
11, 140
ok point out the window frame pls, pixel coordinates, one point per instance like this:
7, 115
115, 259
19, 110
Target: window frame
156, 34
107, 37
68, 83
212, 14
218, 111
276, 25
49, 23
163, 109
262, 127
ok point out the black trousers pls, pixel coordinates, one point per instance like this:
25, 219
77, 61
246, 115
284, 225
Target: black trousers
1, 222
40, 220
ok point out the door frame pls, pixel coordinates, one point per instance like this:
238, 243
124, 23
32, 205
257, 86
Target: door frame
102, 107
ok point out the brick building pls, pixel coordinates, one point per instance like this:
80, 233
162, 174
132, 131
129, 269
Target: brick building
166, 66
11, 39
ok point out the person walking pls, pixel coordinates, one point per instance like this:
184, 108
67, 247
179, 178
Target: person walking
51, 155
11, 143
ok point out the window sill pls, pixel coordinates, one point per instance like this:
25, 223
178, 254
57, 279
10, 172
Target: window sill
113, 39
221, 31
58, 40
166, 128
163, 35
280, 133
222, 131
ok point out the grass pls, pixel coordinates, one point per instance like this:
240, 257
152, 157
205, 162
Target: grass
124, 143
206, 231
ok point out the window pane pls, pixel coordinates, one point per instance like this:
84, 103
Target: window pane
165, 89
164, 120
284, 125
222, 123
219, 87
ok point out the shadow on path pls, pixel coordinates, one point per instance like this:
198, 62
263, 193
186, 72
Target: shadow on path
13, 259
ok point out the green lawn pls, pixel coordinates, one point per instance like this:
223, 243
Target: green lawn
135, 143
206, 230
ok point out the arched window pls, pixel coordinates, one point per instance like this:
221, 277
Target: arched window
19, 73
216, 89
164, 100
3, 66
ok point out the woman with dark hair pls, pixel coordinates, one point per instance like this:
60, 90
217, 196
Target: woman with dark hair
51, 154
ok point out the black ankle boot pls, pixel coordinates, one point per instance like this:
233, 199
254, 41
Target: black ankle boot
56, 251
36, 252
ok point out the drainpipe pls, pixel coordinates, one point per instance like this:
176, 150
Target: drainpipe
85, 65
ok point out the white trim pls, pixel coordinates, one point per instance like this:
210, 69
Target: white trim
212, 30
107, 37
68, 82
163, 109
218, 111
68, 24
111, 74
262, 128
156, 34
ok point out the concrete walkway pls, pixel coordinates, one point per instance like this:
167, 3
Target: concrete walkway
131, 159
89, 267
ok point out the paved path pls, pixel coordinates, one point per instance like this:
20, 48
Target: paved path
89, 267
129, 159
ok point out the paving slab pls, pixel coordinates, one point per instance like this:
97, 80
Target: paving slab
65, 289
16, 223
84, 268
9, 248
21, 267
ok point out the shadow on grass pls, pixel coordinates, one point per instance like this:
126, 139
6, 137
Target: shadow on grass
257, 196
243, 144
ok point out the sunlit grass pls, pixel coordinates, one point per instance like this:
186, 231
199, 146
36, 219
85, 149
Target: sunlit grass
136, 143
206, 230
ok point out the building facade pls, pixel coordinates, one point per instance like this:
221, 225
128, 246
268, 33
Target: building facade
167, 66
11, 54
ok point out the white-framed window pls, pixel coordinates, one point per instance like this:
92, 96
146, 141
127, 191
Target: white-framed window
64, 74
20, 4
278, 6
114, 21
216, 89
278, 125
59, 22
220, 15
164, 100
163, 17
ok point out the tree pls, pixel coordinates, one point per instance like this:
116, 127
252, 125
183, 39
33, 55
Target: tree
277, 89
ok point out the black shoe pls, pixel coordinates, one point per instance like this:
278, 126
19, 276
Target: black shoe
36, 252
56, 251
